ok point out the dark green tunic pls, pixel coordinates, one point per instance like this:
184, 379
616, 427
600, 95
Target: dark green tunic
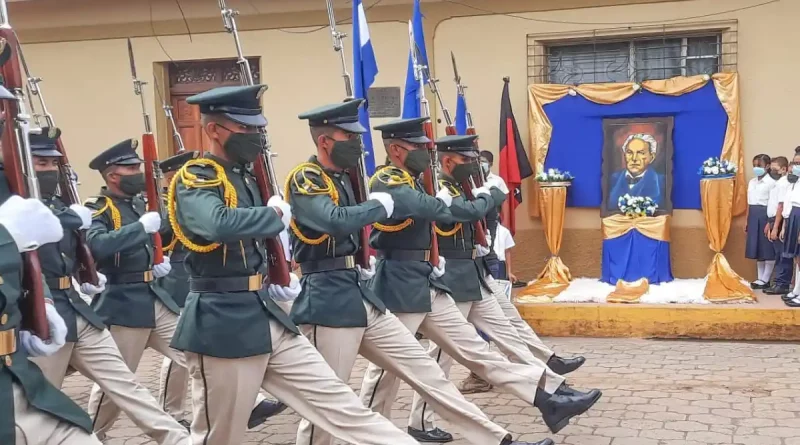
333, 298
58, 260
126, 250
226, 324
465, 276
176, 284
39, 392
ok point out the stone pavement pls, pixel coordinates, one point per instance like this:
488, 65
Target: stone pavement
656, 392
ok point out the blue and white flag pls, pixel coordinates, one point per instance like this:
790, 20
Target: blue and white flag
366, 68
461, 115
411, 97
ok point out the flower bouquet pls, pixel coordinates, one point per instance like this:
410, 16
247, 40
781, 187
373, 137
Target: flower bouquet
717, 168
554, 177
636, 206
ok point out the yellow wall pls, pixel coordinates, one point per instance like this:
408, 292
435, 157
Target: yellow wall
90, 94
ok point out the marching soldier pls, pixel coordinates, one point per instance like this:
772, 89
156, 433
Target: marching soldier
340, 316
423, 303
89, 347
139, 313
174, 378
235, 337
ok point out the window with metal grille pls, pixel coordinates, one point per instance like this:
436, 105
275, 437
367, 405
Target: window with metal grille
632, 60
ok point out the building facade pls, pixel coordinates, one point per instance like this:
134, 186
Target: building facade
79, 48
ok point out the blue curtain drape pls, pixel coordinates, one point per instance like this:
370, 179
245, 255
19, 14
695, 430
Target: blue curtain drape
633, 256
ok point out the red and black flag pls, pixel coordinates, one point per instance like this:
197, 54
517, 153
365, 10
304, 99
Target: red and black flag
514, 164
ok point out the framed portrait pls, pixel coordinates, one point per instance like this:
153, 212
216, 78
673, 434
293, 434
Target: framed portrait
637, 160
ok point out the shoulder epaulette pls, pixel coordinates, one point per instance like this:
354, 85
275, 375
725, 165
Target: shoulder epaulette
108, 205
392, 177
310, 179
452, 188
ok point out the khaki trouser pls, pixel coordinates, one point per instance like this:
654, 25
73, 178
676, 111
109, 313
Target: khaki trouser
524, 330
223, 392
389, 344
487, 316
131, 343
95, 355
34, 427
446, 326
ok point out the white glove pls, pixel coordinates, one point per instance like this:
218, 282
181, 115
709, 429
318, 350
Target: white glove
367, 274
30, 223
481, 191
163, 269
90, 289
37, 347
285, 293
278, 203
151, 222
438, 271
85, 213
444, 195
481, 251
386, 201
498, 183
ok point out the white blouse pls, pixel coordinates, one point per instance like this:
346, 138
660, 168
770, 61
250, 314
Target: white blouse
792, 199
777, 195
758, 190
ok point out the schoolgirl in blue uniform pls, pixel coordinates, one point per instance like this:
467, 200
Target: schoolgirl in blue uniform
791, 227
758, 247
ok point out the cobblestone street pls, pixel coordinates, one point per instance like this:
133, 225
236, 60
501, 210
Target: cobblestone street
655, 393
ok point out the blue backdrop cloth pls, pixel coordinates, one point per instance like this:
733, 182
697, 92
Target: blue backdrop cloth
633, 256
576, 144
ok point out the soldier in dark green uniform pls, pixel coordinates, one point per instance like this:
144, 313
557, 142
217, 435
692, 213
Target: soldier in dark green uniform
174, 378
32, 411
139, 313
335, 310
89, 348
423, 303
236, 338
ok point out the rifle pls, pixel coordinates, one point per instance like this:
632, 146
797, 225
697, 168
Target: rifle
430, 177
87, 272
263, 168
357, 175
152, 173
461, 89
176, 135
20, 172
469, 184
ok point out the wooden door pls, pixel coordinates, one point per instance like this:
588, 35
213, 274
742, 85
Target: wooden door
190, 78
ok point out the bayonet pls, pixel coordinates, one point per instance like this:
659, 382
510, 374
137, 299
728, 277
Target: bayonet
176, 135
138, 88
337, 38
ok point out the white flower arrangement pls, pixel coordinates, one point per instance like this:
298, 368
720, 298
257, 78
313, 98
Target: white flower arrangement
715, 167
554, 175
636, 206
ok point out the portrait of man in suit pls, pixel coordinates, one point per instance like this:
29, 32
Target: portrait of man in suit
636, 160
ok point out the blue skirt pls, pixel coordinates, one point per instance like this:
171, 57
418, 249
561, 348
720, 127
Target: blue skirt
758, 246
792, 224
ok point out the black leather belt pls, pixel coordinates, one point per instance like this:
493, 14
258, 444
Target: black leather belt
459, 254
130, 278
251, 283
328, 264
405, 255
58, 283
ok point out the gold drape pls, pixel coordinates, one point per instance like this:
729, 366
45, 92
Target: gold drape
629, 292
655, 227
722, 283
556, 276
725, 84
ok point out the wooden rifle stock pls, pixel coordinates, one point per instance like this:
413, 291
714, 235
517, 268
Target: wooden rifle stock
150, 155
278, 270
32, 305
88, 269
357, 177
428, 178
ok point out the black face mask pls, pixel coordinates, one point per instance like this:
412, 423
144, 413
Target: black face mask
462, 172
417, 161
774, 175
345, 154
792, 178
48, 182
243, 148
131, 184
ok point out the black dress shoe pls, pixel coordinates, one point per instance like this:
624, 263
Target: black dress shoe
775, 290
795, 302
516, 442
264, 411
562, 366
756, 285
788, 296
436, 435
557, 409
186, 424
